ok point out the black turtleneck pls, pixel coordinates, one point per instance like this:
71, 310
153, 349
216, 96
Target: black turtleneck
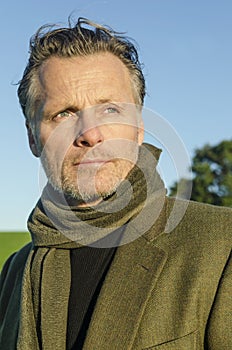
89, 266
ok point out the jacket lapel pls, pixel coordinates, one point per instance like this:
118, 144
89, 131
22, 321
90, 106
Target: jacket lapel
132, 275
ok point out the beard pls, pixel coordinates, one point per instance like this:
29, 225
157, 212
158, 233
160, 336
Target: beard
88, 182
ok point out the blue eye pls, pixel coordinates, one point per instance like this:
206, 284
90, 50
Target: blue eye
63, 116
111, 110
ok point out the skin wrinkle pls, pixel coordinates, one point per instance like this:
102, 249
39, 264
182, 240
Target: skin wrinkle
84, 99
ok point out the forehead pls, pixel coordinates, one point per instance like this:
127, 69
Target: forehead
101, 72
82, 82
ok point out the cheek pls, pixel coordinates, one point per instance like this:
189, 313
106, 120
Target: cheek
44, 134
55, 140
122, 132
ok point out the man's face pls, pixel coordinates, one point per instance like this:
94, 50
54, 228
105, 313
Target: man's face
87, 126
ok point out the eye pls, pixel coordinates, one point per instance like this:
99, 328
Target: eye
111, 110
63, 116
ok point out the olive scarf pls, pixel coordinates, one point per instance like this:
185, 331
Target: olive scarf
56, 228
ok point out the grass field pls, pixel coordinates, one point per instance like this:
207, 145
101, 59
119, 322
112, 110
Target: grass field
10, 242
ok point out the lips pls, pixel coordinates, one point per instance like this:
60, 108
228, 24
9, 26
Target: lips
91, 162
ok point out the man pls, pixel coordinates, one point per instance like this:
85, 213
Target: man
102, 271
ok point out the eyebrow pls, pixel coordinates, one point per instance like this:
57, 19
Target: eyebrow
49, 112
104, 100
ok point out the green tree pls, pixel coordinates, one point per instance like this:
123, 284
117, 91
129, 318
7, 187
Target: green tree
212, 175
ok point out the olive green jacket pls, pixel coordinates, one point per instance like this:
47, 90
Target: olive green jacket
163, 291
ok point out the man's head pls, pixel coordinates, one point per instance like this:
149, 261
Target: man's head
81, 94
84, 39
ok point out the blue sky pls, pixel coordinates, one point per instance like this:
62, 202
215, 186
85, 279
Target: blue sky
186, 50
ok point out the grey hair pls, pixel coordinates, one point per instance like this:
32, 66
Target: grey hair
83, 39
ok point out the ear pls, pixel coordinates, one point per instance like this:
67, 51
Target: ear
141, 132
32, 142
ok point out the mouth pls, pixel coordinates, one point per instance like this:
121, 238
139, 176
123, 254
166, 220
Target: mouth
94, 162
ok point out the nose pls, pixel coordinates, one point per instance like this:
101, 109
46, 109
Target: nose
90, 134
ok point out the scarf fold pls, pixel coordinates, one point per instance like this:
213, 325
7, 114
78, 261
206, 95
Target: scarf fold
56, 228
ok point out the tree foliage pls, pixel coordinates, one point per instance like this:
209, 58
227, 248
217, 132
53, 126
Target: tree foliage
212, 175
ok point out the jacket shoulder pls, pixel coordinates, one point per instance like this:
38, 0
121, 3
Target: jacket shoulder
14, 263
197, 230
203, 220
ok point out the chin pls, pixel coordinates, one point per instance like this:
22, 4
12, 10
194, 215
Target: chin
90, 191
91, 185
